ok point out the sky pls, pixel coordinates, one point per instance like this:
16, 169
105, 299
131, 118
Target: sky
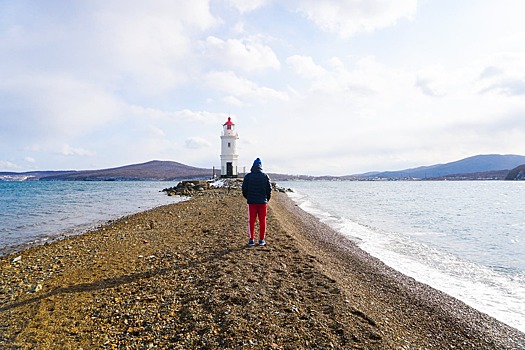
315, 87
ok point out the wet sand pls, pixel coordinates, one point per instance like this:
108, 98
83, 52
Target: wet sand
181, 276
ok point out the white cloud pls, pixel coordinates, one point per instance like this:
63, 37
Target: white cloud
196, 143
366, 110
305, 67
67, 150
435, 81
8, 165
57, 105
502, 74
151, 46
33, 148
200, 116
247, 5
231, 100
510, 87
139, 47
248, 54
30, 159
348, 18
425, 85
231, 84
155, 131
359, 76
185, 115
363, 84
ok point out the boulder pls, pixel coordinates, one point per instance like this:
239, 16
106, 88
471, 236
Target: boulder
187, 188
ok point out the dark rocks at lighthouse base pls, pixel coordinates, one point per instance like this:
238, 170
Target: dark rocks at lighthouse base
187, 188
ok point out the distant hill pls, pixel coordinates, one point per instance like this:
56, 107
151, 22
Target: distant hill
153, 170
481, 167
31, 175
518, 173
475, 165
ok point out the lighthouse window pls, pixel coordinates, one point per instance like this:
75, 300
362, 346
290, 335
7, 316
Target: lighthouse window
229, 144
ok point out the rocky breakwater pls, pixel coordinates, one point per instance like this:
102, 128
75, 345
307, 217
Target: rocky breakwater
193, 187
188, 188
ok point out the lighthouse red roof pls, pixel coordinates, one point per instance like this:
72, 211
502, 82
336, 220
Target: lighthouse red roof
229, 122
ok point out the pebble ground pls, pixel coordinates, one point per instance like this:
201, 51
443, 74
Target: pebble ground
182, 277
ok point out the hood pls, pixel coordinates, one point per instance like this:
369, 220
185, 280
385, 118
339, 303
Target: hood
257, 166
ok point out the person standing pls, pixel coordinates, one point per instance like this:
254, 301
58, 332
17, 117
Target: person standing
257, 190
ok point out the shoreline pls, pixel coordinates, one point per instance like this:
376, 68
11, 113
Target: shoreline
51, 210
344, 255
181, 276
415, 253
66, 233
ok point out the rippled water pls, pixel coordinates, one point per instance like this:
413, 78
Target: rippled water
464, 238
35, 211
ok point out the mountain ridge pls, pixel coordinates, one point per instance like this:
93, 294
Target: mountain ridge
153, 170
471, 165
480, 167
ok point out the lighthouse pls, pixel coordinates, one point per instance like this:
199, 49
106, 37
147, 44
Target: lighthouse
229, 154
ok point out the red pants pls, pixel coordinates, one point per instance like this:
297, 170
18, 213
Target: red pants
257, 211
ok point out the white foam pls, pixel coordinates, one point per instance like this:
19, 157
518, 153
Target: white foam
498, 294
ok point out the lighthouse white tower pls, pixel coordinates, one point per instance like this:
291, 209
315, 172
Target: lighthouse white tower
229, 154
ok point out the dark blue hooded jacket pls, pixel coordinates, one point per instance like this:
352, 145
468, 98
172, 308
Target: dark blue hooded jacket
256, 187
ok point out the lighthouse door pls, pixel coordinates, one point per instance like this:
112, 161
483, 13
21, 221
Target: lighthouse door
229, 169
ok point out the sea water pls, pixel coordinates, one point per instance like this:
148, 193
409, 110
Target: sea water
466, 239
39, 211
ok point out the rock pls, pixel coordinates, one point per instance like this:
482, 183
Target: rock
281, 189
36, 288
187, 188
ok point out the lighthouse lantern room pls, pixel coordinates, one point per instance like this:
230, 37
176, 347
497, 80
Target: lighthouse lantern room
229, 154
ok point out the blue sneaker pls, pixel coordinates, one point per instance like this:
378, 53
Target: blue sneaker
251, 243
262, 242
